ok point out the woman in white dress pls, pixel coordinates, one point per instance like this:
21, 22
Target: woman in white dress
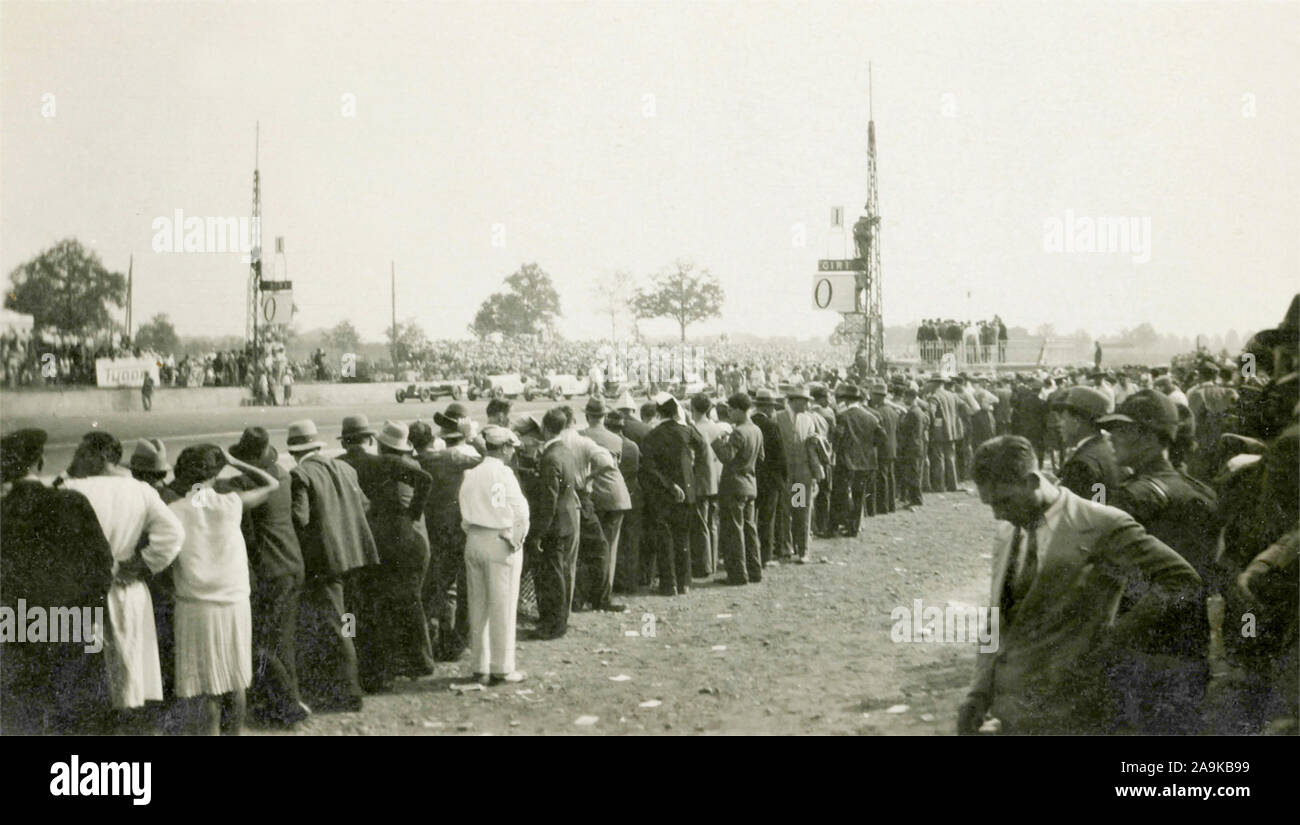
127, 511
213, 623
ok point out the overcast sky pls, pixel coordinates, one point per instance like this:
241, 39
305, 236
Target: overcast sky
991, 120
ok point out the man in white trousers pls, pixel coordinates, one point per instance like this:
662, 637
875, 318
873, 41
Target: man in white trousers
494, 516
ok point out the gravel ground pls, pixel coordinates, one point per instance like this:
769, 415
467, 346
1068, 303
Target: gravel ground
807, 651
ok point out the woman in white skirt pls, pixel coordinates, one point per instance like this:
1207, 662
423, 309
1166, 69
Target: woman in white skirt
213, 623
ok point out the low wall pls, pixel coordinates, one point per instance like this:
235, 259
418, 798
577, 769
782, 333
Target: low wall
79, 401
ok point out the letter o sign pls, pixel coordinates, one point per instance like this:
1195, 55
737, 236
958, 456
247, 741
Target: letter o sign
822, 293
268, 309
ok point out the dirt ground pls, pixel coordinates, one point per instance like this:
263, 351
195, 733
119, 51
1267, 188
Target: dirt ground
807, 651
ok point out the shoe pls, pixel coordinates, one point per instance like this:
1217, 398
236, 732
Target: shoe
663, 592
542, 635
613, 607
771, 563
513, 677
682, 591
352, 704
579, 608
801, 560
731, 583
481, 678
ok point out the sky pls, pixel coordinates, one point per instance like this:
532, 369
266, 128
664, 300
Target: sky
459, 140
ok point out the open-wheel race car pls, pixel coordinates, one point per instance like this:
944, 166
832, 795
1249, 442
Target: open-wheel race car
431, 390
502, 386
563, 386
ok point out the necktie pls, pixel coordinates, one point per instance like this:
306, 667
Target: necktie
1029, 569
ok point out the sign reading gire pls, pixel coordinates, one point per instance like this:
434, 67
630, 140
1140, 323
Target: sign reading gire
842, 265
837, 292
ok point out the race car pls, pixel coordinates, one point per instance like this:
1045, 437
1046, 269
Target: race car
436, 389
503, 386
565, 386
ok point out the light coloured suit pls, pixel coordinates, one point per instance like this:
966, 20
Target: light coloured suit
1047, 674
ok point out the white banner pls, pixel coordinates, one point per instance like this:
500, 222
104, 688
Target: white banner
124, 372
276, 307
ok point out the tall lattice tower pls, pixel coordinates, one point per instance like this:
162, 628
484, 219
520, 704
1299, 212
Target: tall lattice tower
866, 236
255, 256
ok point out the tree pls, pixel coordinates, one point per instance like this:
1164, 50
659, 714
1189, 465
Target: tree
343, 337
409, 342
158, 335
614, 292
1045, 331
682, 294
528, 307
500, 312
67, 287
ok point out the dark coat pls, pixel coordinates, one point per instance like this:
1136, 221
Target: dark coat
889, 426
668, 458
329, 513
1092, 464
772, 467
397, 489
860, 437
555, 513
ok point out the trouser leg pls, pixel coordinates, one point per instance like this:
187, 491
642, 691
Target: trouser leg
701, 552
275, 607
732, 538
611, 524
753, 557
478, 563
628, 563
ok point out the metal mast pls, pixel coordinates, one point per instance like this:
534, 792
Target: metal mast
255, 256
866, 235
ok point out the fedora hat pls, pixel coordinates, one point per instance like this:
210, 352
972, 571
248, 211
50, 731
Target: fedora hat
1085, 401
798, 391
254, 445
1287, 332
393, 436
356, 425
450, 419
764, 397
303, 436
150, 456
595, 406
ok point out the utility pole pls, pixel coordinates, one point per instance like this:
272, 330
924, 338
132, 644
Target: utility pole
866, 235
392, 277
255, 260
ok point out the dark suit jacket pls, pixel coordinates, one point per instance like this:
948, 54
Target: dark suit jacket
555, 513
1093, 463
446, 469
772, 466
397, 489
629, 465
329, 513
860, 437
889, 426
635, 429
1047, 673
668, 458
912, 432
741, 451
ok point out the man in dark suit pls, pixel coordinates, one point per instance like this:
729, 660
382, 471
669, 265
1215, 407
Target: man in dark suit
740, 451
912, 430
554, 529
329, 515
770, 476
668, 482
1029, 414
884, 499
1089, 466
393, 639
858, 441
628, 564
1060, 566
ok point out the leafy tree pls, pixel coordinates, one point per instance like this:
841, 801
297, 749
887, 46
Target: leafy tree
529, 306
409, 341
614, 292
67, 287
158, 335
343, 337
682, 294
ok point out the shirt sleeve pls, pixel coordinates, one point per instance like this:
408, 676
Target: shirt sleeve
166, 535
